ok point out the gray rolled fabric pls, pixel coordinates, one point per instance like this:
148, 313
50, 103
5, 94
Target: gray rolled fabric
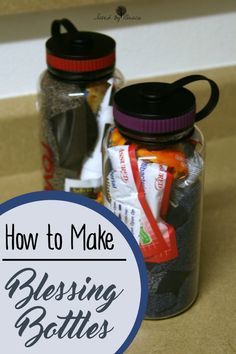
173, 284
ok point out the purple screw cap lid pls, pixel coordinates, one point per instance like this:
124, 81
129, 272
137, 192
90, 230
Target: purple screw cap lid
149, 108
152, 126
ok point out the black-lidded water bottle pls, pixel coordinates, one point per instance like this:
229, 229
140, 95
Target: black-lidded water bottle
75, 102
153, 168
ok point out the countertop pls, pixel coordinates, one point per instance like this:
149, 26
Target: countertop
209, 326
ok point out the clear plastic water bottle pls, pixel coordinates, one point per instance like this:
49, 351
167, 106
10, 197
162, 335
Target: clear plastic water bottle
75, 101
153, 167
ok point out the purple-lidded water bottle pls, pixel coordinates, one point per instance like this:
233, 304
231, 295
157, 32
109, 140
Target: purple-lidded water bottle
153, 166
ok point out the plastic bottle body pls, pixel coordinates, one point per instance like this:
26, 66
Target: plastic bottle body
73, 118
156, 190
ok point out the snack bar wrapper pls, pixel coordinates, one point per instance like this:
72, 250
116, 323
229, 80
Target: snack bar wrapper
137, 191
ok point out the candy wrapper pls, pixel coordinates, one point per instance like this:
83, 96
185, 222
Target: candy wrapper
139, 186
136, 192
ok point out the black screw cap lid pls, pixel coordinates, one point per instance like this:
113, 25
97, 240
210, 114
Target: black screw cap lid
161, 108
78, 52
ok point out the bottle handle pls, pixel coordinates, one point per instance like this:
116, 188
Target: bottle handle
64, 22
214, 97
212, 102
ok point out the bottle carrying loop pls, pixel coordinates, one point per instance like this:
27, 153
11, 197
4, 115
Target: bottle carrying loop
57, 24
189, 79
